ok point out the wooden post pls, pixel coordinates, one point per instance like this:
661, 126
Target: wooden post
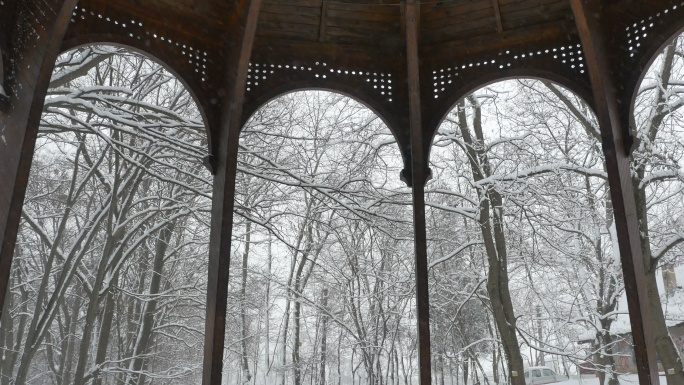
37, 36
237, 54
419, 175
588, 15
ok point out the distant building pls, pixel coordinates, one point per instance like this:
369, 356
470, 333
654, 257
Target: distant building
625, 361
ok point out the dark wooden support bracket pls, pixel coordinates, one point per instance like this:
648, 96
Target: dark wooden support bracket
419, 177
33, 61
237, 54
591, 28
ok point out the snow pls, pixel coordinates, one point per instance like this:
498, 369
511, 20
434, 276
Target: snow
673, 308
588, 379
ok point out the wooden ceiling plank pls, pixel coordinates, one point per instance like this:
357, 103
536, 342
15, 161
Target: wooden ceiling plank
347, 14
367, 41
387, 9
289, 18
457, 11
476, 27
304, 29
484, 15
314, 11
534, 36
292, 35
303, 3
363, 25
523, 13
540, 19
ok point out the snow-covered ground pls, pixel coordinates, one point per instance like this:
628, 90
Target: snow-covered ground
627, 379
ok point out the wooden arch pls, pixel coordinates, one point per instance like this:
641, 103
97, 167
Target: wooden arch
480, 82
659, 40
394, 123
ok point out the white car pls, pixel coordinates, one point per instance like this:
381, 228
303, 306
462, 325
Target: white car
536, 375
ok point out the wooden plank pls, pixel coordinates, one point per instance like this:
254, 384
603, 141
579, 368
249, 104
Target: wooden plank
365, 41
454, 9
486, 24
288, 18
288, 35
284, 51
352, 15
300, 29
530, 37
537, 12
366, 7
292, 10
294, 3
596, 47
228, 116
484, 17
364, 25
349, 32
539, 19
419, 177
532, 7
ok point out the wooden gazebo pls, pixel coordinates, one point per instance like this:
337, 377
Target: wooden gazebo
408, 60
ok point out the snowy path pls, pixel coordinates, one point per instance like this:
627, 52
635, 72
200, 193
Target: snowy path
628, 379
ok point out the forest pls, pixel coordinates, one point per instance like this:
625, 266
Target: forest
109, 275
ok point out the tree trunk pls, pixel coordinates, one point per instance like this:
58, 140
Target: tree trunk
144, 335
105, 328
491, 226
296, 341
665, 346
324, 336
243, 305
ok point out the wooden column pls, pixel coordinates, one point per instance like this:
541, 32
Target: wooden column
602, 72
39, 27
237, 51
419, 173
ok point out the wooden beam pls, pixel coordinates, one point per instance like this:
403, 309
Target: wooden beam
240, 38
321, 30
419, 174
497, 16
33, 61
588, 16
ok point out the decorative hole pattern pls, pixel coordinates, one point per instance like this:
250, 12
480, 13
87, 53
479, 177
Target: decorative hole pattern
638, 31
380, 82
570, 55
136, 30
